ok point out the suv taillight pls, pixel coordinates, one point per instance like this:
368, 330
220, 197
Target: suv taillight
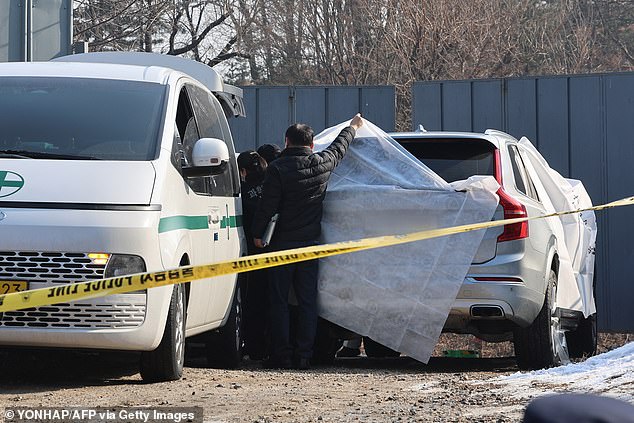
512, 209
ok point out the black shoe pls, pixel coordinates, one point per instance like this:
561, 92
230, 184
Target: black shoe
303, 364
276, 363
349, 352
256, 357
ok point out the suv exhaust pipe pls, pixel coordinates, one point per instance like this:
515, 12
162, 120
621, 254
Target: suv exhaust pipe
487, 311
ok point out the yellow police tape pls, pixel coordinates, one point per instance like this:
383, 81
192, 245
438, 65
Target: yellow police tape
103, 287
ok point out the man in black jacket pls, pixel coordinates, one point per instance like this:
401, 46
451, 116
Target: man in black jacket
295, 187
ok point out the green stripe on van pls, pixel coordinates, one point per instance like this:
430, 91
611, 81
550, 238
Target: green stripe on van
231, 221
173, 223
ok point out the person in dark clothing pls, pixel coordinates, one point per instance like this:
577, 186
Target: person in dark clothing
269, 152
255, 324
295, 187
252, 168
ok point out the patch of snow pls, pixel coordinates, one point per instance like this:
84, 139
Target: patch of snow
610, 374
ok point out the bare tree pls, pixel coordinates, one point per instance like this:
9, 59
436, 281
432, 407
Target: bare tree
394, 42
201, 29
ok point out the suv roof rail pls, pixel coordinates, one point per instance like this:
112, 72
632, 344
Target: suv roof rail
495, 132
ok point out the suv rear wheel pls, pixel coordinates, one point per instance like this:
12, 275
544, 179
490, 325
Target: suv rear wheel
166, 361
543, 343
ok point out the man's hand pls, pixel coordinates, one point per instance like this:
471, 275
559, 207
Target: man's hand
258, 243
357, 121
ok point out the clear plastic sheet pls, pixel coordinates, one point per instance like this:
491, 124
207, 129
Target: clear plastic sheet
399, 296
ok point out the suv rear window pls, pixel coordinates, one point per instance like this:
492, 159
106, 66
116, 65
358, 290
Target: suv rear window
453, 159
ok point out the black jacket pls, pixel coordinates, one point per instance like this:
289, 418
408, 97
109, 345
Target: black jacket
251, 194
295, 187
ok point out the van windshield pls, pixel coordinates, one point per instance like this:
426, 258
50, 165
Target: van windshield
453, 159
75, 118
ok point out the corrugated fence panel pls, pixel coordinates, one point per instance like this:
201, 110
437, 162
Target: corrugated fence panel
583, 125
492, 116
342, 104
587, 163
456, 106
427, 106
619, 95
378, 106
273, 114
244, 129
521, 110
310, 107
587, 159
552, 115
270, 110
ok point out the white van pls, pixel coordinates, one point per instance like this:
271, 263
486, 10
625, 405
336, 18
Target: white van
113, 164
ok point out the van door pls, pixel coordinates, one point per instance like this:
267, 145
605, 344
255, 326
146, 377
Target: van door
197, 214
223, 195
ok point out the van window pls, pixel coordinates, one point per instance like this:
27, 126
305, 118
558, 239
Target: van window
453, 159
210, 119
80, 118
185, 136
235, 174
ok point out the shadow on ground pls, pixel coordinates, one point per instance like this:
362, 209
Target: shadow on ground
24, 371
48, 370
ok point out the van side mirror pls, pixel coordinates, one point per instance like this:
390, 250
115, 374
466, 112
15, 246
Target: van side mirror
210, 156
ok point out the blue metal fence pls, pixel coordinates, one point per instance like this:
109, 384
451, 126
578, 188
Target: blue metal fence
270, 110
584, 127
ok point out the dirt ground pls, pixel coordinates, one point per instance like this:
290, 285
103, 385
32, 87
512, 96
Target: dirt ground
355, 389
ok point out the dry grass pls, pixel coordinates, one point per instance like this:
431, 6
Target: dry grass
449, 341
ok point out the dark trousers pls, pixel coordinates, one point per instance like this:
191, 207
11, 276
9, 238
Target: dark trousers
256, 314
303, 277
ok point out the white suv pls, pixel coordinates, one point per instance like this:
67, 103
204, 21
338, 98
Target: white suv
512, 290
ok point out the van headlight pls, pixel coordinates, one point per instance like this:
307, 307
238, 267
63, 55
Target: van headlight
123, 264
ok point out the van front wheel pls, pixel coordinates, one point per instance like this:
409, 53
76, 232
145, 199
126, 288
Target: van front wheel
166, 362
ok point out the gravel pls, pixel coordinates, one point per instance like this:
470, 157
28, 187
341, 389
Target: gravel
355, 389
